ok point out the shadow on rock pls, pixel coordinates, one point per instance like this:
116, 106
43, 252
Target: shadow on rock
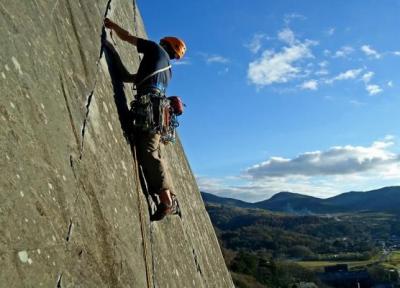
119, 74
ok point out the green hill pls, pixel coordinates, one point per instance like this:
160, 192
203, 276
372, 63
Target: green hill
265, 248
386, 199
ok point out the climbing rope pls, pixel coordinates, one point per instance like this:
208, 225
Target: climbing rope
140, 208
195, 257
137, 189
133, 147
152, 256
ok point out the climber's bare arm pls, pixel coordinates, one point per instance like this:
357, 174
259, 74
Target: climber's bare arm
121, 33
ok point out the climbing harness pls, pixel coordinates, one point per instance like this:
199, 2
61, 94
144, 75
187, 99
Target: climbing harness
156, 113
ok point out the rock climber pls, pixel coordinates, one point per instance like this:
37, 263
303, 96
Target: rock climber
152, 78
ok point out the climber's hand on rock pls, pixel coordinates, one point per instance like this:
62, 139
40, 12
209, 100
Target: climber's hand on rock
121, 32
108, 23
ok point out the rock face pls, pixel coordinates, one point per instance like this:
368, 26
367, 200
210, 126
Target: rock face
72, 211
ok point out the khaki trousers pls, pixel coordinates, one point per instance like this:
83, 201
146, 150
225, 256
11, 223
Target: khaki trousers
149, 156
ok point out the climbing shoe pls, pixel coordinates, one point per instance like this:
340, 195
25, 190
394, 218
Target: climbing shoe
164, 210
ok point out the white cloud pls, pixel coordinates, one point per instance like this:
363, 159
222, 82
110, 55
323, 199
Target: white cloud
349, 74
397, 53
217, 59
343, 52
181, 62
310, 85
222, 188
323, 64
374, 89
288, 18
390, 84
255, 44
260, 190
368, 76
321, 187
322, 72
277, 67
319, 174
280, 67
370, 52
338, 160
330, 31
208, 184
287, 36
390, 138
356, 103
392, 171
223, 71
213, 58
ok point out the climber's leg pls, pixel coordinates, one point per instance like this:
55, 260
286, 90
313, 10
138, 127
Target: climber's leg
149, 156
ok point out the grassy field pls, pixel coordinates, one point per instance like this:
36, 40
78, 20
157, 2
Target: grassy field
392, 261
319, 265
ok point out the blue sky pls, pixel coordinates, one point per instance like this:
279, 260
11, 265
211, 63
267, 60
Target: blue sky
298, 96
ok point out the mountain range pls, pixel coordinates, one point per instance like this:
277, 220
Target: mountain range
385, 199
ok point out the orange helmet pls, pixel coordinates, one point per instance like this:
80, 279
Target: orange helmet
177, 45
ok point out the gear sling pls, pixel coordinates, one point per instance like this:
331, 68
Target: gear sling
155, 113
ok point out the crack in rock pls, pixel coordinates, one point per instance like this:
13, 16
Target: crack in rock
198, 268
59, 279
90, 96
88, 102
70, 228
